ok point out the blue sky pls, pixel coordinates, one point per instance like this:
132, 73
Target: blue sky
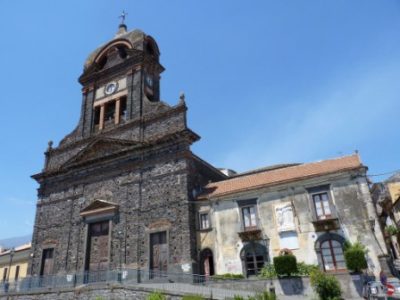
266, 82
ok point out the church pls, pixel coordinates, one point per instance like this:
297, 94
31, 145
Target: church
118, 190
124, 190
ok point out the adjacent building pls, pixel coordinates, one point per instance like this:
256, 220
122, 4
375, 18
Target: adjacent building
307, 209
14, 263
386, 197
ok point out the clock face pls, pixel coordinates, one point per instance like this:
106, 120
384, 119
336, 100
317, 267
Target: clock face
110, 88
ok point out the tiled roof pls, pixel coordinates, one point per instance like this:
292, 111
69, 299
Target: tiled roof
288, 174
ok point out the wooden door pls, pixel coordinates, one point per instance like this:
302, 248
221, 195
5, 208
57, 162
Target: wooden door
207, 266
158, 252
98, 240
47, 262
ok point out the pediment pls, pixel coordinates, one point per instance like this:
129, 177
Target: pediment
99, 207
99, 149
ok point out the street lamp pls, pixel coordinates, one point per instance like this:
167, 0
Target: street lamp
7, 285
372, 224
120, 237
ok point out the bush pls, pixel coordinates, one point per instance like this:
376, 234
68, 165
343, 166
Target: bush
391, 229
193, 297
304, 269
327, 287
268, 272
228, 276
238, 297
285, 264
354, 256
156, 296
263, 296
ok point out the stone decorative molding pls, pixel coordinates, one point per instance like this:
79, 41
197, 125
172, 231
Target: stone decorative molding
50, 243
285, 218
162, 223
98, 207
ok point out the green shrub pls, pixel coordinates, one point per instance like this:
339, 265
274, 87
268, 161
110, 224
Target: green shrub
228, 276
156, 296
327, 287
304, 269
354, 256
263, 296
238, 297
391, 229
285, 264
193, 297
268, 272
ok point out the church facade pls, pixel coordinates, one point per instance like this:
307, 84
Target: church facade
124, 190
117, 191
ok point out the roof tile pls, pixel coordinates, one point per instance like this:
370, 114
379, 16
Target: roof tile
271, 177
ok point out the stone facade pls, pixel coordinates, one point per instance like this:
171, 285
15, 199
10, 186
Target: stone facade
286, 217
123, 175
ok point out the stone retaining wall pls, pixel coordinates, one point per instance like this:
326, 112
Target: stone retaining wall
287, 288
351, 285
96, 292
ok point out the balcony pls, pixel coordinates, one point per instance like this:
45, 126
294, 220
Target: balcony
250, 234
327, 223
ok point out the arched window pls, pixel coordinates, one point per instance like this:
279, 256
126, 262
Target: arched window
253, 256
330, 249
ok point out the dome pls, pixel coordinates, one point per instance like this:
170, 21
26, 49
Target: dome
135, 39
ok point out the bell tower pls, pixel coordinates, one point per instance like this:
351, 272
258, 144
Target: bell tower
119, 79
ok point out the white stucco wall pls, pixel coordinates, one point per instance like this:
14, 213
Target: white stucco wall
349, 194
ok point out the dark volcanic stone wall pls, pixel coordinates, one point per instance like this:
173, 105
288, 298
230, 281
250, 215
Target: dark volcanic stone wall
151, 198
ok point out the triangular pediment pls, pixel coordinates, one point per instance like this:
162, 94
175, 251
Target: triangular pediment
100, 149
99, 207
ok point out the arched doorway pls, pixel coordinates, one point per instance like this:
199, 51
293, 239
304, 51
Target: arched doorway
206, 262
329, 248
254, 256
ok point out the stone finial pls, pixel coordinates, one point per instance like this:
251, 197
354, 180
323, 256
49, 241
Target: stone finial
50, 145
182, 98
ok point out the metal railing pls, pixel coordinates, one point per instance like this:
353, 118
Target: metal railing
126, 277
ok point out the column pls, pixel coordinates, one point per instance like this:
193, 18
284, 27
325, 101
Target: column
101, 123
117, 110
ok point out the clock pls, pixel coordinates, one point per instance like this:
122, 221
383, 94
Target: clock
110, 88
